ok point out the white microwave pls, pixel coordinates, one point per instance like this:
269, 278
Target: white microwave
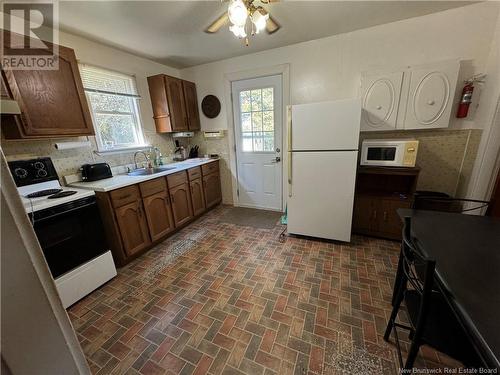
389, 152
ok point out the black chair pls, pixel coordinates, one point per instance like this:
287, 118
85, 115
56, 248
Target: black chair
432, 321
447, 204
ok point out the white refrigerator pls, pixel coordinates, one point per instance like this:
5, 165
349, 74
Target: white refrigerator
322, 158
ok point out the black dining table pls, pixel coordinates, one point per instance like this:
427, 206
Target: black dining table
466, 249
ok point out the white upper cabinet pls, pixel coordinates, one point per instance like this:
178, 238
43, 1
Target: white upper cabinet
419, 97
431, 95
380, 95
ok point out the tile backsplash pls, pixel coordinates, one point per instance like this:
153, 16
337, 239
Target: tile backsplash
446, 157
69, 161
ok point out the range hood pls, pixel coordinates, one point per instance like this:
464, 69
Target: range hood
183, 135
9, 107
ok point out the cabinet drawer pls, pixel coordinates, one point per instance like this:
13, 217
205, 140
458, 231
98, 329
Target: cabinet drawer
154, 186
123, 196
176, 179
210, 167
194, 173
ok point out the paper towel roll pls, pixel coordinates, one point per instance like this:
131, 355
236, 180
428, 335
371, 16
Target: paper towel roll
70, 145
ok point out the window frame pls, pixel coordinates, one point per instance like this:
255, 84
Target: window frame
133, 98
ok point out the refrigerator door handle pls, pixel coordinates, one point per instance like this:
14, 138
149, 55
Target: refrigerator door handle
289, 146
289, 128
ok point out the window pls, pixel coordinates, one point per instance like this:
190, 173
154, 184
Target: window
113, 99
257, 120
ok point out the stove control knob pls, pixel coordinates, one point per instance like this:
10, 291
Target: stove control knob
21, 172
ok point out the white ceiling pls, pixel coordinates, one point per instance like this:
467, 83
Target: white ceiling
171, 32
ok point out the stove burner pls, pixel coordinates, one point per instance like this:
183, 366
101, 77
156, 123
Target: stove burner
43, 193
62, 194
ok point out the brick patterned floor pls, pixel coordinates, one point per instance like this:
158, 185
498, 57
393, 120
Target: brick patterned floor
224, 299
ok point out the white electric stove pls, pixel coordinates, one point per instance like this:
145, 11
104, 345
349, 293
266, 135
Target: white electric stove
69, 228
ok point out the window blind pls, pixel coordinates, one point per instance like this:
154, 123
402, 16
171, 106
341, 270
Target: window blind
107, 82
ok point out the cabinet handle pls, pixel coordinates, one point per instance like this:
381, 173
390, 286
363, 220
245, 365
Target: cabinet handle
385, 215
139, 210
379, 107
167, 201
172, 198
431, 102
191, 188
375, 214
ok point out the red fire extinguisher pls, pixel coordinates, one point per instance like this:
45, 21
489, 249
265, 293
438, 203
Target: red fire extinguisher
465, 100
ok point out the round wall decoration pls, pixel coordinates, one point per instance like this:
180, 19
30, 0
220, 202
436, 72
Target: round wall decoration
210, 105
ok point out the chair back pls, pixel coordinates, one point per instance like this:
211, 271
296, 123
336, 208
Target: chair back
447, 204
418, 270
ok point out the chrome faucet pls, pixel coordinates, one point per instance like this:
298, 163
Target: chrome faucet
147, 159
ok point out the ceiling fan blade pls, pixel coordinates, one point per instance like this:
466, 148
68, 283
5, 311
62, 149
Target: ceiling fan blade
272, 25
217, 24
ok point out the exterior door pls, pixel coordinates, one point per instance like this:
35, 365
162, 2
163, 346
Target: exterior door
258, 113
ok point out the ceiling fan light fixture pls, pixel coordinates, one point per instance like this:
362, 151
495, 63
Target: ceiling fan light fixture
259, 19
238, 12
238, 31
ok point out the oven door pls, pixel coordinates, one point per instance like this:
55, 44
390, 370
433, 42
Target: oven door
382, 155
70, 234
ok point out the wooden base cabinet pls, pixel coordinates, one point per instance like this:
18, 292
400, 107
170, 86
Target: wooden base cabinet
138, 216
133, 227
380, 191
159, 215
197, 196
181, 204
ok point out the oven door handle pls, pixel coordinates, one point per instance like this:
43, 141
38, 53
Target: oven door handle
64, 212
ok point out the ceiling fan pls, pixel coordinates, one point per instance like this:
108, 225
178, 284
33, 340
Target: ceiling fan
239, 12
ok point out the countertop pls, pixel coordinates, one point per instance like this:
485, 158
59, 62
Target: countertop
122, 180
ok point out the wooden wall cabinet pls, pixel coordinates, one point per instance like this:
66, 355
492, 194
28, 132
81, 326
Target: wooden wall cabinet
380, 191
52, 102
139, 216
175, 104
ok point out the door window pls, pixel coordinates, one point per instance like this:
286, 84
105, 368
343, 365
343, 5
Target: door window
257, 120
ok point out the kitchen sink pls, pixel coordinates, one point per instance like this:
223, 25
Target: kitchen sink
148, 171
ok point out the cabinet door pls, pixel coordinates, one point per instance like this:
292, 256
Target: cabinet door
364, 213
176, 104
159, 215
197, 196
133, 227
431, 95
182, 209
212, 189
158, 94
389, 222
52, 102
380, 101
191, 100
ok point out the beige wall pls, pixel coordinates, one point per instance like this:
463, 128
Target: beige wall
330, 68
68, 161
